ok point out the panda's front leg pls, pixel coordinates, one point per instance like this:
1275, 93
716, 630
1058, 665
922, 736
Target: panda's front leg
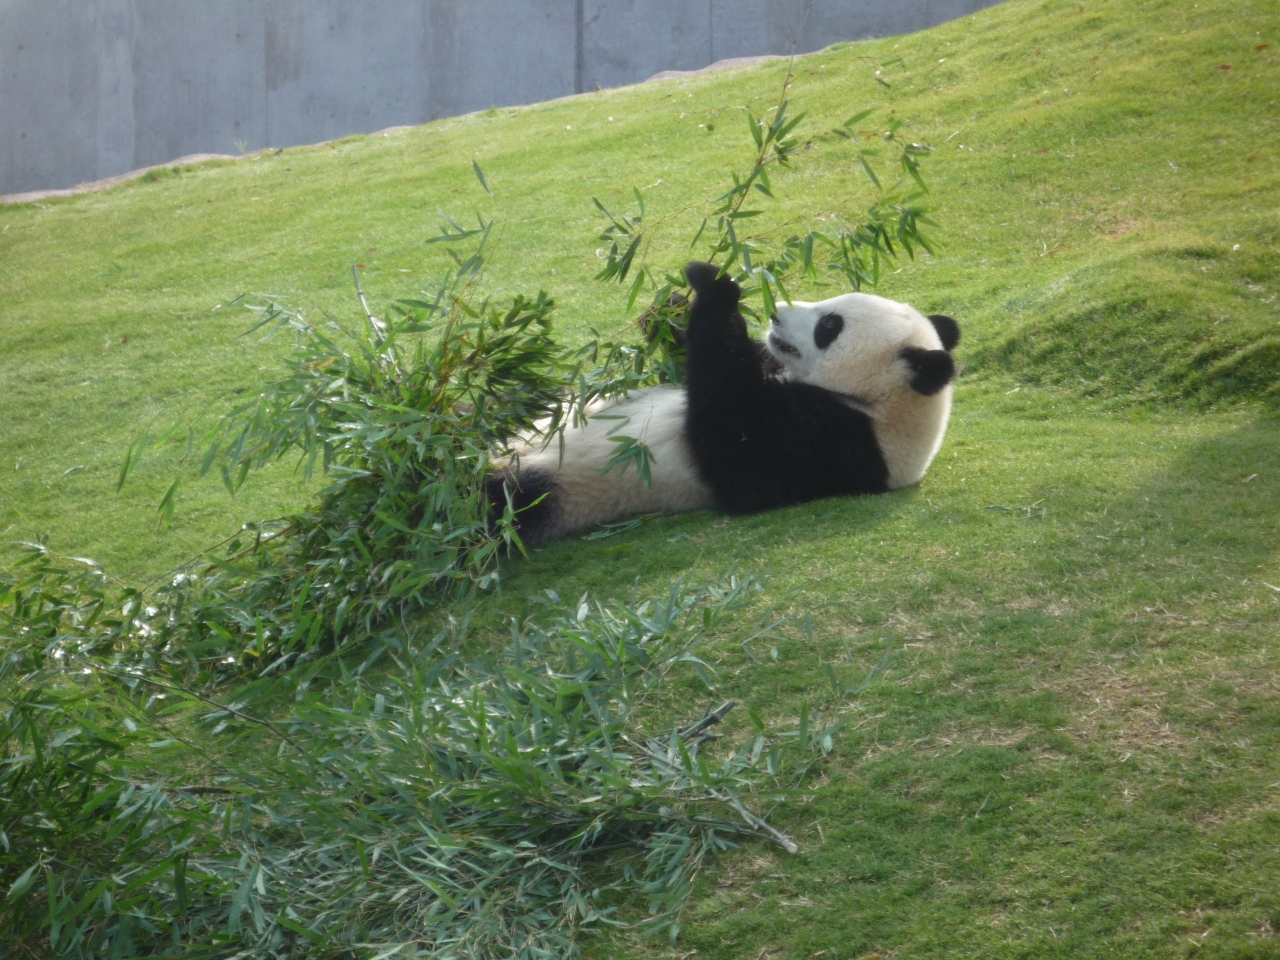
723, 361
729, 413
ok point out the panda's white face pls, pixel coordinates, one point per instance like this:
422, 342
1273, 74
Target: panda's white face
886, 359
852, 344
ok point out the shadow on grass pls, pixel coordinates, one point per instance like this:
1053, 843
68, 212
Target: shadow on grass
702, 543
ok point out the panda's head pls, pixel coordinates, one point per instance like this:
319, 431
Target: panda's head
872, 350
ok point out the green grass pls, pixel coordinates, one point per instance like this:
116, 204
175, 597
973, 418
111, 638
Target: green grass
1075, 748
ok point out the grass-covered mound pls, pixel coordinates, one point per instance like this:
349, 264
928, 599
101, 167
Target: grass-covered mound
1072, 748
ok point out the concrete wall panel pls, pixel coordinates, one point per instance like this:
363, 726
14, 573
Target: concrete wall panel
858, 19
199, 79
495, 53
747, 28
334, 68
48, 93
628, 40
116, 130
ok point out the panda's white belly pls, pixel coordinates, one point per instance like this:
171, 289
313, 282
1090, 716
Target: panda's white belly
586, 495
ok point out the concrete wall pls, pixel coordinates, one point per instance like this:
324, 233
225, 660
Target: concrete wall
94, 88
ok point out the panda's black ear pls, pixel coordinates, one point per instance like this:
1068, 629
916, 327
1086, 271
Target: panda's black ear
931, 370
948, 330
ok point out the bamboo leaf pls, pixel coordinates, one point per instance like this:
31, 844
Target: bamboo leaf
132, 457
480, 176
165, 509
24, 881
866, 168
859, 117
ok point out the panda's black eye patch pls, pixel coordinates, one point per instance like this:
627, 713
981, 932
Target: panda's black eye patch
828, 328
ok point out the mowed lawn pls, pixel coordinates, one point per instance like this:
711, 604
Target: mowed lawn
1070, 745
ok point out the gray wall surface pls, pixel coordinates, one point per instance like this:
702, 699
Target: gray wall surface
95, 88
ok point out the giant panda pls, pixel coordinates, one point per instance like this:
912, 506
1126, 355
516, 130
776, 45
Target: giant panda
846, 396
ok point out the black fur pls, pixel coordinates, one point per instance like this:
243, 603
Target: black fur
948, 330
652, 326
760, 442
931, 369
533, 497
828, 328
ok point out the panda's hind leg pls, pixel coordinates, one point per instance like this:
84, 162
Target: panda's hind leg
534, 498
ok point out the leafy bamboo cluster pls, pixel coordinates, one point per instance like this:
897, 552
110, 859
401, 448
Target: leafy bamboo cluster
453, 807
852, 246
403, 416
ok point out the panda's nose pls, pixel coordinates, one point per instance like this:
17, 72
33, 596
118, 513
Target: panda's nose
773, 318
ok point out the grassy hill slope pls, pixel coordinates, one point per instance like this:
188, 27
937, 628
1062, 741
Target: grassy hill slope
1072, 750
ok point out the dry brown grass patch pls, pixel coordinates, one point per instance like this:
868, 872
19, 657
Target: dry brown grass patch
1123, 712
958, 736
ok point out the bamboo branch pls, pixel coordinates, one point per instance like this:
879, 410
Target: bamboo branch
696, 732
755, 823
379, 328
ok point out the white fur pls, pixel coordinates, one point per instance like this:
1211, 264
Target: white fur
655, 417
864, 364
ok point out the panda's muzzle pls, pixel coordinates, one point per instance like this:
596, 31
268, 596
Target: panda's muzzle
781, 346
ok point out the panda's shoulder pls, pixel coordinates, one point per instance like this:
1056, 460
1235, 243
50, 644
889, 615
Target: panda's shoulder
837, 412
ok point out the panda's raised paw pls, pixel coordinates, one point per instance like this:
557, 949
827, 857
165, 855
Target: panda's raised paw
702, 277
710, 287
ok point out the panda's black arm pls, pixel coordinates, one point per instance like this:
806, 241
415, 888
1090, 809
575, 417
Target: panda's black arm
723, 362
732, 420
